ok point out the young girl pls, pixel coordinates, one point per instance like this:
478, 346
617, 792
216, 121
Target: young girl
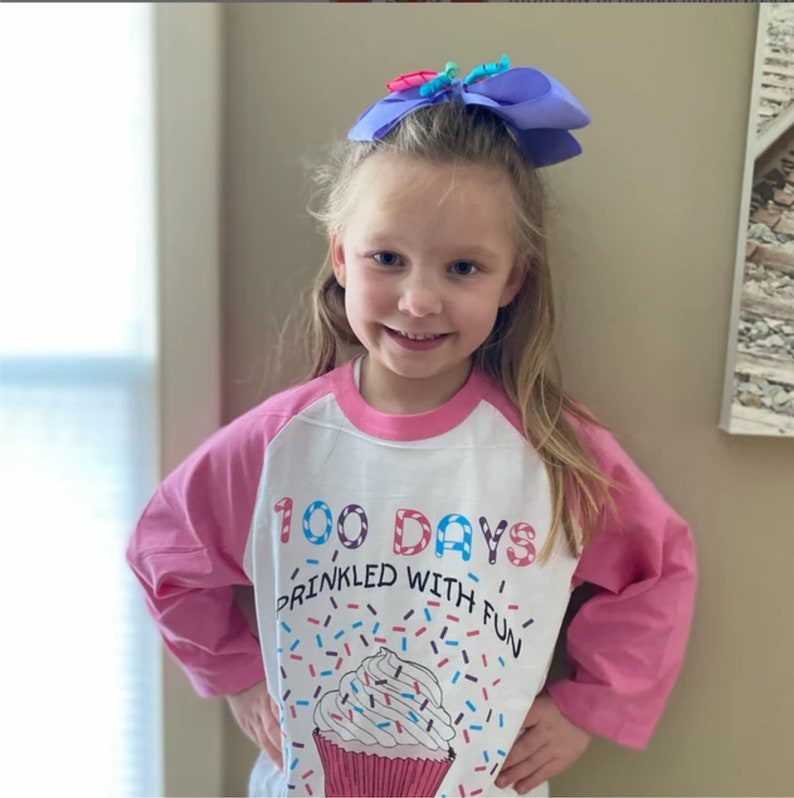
414, 520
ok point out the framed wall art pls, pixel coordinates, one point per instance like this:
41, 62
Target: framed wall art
758, 395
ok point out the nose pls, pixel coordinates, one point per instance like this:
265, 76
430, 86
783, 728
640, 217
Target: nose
419, 296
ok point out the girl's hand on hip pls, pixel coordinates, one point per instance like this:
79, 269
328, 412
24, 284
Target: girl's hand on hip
547, 745
257, 714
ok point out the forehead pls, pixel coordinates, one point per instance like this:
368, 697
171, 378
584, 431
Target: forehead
395, 190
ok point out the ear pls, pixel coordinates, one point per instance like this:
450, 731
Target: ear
338, 259
514, 282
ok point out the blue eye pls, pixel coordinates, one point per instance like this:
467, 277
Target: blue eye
391, 254
375, 255
468, 263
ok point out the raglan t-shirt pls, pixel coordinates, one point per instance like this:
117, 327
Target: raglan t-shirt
408, 623
405, 624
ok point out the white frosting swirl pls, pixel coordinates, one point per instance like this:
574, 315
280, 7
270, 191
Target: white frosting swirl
383, 691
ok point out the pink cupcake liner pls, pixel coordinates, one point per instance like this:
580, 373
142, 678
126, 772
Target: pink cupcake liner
353, 774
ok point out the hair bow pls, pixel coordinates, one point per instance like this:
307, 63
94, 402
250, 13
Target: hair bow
537, 110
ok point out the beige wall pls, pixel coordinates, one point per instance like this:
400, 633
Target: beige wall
642, 244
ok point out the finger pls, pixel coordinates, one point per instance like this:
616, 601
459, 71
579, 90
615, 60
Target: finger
272, 731
528, 774
517, 753
269, 720
525, 767
274, 754
537, 778
532, 716
274, 707
529, 742
272, 749
269, 740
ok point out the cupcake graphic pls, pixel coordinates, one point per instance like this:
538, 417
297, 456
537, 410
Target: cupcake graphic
384, 732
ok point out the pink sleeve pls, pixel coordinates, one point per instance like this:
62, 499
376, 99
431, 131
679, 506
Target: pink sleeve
626, 644
187, 552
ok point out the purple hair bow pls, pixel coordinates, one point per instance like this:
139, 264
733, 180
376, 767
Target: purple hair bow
537, 110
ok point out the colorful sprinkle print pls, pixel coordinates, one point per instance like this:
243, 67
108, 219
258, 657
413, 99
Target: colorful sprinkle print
455, 666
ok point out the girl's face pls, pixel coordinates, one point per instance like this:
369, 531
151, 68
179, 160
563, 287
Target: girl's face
422, 256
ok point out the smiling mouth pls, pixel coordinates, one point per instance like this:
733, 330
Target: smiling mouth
412, 337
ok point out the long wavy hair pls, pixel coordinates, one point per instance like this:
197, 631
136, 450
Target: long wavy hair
518, 352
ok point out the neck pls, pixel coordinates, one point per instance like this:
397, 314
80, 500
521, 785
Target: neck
392, 393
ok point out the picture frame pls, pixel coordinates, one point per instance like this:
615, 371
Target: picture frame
758, 395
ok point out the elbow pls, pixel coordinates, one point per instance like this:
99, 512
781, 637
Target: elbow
682, 558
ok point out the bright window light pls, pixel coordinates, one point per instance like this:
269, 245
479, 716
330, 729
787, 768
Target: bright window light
78, 400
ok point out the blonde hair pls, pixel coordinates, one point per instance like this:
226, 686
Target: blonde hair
518, 352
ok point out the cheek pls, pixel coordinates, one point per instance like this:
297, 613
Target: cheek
480, 312
476, 320
371, 300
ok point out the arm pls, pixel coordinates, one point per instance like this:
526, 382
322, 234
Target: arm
626, 644
187, 552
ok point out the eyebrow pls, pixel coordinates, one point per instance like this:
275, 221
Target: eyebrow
380, 240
